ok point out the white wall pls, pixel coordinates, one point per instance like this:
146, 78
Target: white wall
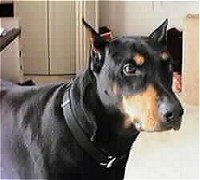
140, 18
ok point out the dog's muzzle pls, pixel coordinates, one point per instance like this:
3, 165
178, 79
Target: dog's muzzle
171, 113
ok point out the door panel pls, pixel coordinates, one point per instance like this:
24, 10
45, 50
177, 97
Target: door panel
62, 37
33, 21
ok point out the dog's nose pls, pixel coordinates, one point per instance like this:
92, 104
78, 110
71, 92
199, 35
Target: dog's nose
173, 114
171, 111
168, 116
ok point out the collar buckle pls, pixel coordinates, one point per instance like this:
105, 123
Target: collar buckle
65, 103
109, 163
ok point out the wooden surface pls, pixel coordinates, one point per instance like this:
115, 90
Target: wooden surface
48, 36
190, 72
33, 21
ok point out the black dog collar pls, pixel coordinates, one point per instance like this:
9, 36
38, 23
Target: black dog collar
102, 159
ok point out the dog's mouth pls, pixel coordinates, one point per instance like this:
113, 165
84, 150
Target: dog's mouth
176, 125
162, 127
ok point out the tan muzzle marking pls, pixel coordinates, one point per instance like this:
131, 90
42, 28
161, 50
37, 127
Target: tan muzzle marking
143, 108
139, 59
115, 89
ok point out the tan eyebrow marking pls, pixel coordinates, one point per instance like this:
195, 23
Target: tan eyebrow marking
139, 59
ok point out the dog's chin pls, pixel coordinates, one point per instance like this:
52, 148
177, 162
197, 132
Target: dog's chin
138, 126
176, 126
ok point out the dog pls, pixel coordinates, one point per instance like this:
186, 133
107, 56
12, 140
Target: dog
84, 129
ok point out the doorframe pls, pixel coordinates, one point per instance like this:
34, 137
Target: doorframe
82, 45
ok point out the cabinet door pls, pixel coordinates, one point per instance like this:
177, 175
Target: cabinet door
33, 21
62, 37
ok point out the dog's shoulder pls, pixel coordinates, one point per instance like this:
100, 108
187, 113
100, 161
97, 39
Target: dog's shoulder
29, 101
10, 90
30, 106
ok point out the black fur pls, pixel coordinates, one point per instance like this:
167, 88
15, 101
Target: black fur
35, 140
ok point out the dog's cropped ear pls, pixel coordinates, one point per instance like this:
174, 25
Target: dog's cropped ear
96, 41
160, 34
97, 46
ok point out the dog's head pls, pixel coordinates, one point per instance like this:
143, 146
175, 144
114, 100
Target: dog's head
134, 75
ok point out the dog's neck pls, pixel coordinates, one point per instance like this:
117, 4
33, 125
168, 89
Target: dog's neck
104, 126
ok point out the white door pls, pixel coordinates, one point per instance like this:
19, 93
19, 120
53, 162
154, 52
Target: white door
34, 37
62, 37
53, 38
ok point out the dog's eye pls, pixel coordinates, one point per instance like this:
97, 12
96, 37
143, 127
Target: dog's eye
129, 69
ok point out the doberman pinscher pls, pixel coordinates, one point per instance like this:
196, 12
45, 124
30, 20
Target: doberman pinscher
85, 129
